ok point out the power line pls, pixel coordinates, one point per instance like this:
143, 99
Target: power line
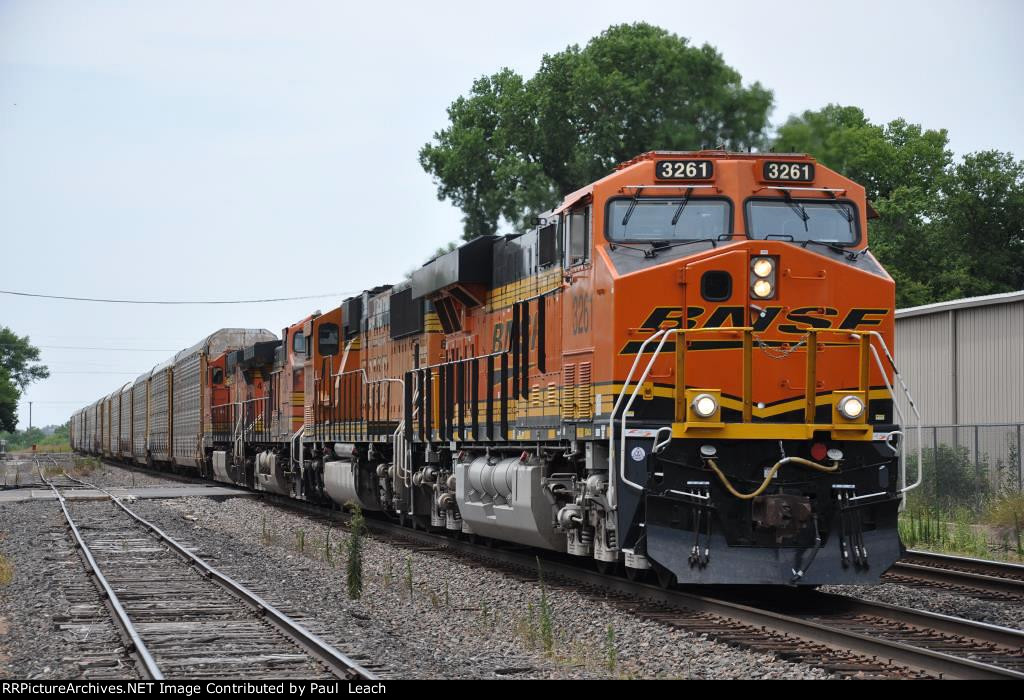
81, 403
89, 347
134, 374
177, 302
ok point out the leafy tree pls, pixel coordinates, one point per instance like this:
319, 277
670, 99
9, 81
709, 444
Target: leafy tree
945, 230
982, 219
882, 158
19, 367
902, 168
513, 147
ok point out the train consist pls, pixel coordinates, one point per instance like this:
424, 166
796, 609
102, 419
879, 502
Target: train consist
683, 369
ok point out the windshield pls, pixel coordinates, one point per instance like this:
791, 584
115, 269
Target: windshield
652, 219
829, 222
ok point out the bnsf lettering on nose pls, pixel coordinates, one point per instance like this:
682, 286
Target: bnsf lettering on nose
794, 321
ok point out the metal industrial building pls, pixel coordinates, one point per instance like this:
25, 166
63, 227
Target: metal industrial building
963, 361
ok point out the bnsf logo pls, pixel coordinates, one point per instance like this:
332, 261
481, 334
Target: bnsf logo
795, 322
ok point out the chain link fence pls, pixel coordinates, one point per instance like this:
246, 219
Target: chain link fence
972, 498
966, 466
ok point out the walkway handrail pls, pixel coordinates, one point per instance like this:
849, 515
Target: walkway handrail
617, 461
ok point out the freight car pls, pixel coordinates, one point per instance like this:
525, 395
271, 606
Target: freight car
685, 369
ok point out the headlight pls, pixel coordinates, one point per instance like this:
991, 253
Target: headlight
763, 267
851, 407
704, 405
762, 289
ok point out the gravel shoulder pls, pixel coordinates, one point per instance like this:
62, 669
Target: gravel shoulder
108, 475
461, 621
936, 600
46, 610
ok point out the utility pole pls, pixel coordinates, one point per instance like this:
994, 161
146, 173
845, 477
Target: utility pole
30, 415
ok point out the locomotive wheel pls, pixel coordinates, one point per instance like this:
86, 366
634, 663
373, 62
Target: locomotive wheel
607, 568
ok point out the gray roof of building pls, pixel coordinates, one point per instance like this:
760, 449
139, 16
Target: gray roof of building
954, 304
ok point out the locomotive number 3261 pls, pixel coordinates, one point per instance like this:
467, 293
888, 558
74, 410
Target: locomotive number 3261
793, 172
685, 169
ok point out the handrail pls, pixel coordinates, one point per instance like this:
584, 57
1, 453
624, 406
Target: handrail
896, 406
612, 490
812, 334
629, 404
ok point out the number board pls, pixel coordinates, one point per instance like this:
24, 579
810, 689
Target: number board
684, 169
787, 172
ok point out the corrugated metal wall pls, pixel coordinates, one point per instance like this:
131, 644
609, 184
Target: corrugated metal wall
964, 365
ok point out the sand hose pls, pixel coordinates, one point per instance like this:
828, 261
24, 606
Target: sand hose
769, 476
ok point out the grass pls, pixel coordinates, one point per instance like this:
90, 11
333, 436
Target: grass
354, 568
547, 637
6, 570
996, 535
408, 576
611, 650
85, 466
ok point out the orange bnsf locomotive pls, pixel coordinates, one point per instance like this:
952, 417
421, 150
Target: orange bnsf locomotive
683, 370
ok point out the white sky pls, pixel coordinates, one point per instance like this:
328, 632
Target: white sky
190, 150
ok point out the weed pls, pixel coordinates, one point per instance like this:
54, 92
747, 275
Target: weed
612, 654
6, 570
355, 554
408, 576
547, 637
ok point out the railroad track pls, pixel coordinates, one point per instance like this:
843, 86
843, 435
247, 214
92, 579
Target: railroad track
848, 636
180, 617
980, 578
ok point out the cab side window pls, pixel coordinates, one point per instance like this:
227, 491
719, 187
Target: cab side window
327, 339
299, 343
578, 244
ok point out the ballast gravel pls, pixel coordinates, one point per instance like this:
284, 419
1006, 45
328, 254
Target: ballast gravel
994, 612
43, 633
460, 621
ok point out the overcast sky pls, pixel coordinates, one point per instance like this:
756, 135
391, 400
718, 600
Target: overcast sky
236, 150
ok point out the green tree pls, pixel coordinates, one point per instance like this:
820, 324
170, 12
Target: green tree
514, 147
982, 219
19, 367
901, 167
944, 230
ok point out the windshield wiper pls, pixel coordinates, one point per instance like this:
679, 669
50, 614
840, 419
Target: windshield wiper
682, 205
665, 245
842, 209
613, 246
632, 206
851, 255
834, 246
798, 208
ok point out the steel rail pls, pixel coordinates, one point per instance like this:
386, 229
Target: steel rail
1006, 566
1004, 578
339, 664
148, 665
818, 630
